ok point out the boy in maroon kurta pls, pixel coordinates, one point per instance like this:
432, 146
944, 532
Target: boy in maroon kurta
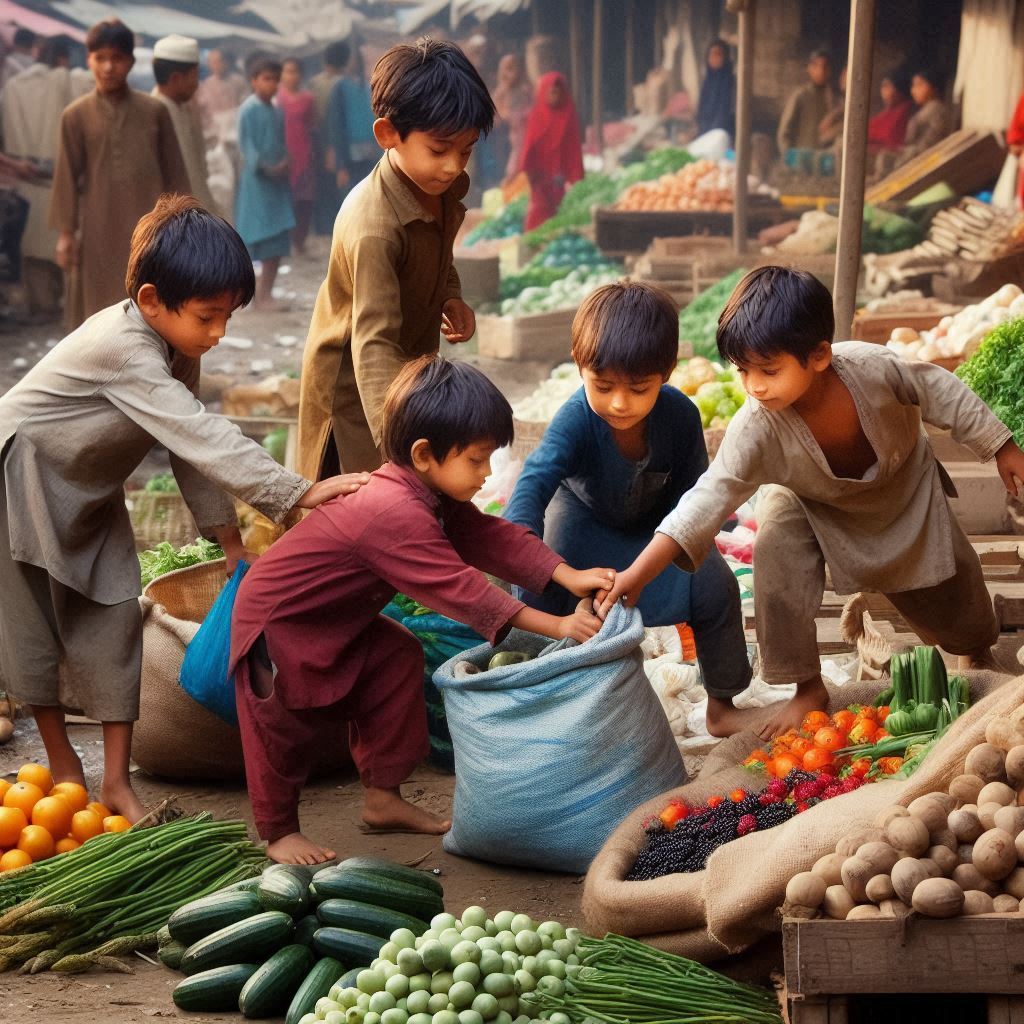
310, 649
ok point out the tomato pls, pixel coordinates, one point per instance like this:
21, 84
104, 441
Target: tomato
801, 746
860, 767
672, 815
883, 713
784, 764
863, 731
843, 720
830, 739
817, 758
813, 721
869, 712
881, 735
738, 795
890, 765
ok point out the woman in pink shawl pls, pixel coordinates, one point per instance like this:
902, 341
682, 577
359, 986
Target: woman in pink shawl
552, 154
299, 110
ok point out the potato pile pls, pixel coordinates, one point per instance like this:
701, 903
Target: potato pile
702, 185
944, 855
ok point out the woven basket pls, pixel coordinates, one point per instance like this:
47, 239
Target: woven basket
157, 517
528, 435
189, 593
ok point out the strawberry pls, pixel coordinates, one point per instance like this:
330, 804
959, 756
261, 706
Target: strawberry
748, 823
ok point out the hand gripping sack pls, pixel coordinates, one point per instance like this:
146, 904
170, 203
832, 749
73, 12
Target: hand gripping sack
551, 754
204, 671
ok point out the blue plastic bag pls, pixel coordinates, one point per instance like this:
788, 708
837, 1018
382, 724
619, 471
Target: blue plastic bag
204, 671
551, 754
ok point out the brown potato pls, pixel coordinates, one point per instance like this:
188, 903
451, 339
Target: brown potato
965, 788
987, 762
938, 897
908, 835
995, 854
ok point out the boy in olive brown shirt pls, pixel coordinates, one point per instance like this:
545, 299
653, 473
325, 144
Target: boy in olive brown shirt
391, 286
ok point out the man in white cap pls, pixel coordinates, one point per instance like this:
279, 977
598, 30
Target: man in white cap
176, 69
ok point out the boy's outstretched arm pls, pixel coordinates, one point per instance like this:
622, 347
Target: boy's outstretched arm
579, 626
1010, 463
648, 565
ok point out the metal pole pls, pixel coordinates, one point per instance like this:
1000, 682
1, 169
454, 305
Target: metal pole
744, 90
596, 112
855, 135
630, 46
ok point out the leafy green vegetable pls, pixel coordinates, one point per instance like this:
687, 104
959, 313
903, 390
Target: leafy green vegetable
995, 373
162, 483
507, 222
164, 559
276, 442
698, 322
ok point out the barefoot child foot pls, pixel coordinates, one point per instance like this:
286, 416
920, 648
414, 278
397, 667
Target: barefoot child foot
65, 764
116, 791
810, 695
386, 809
295, 848
724, 719
119, 798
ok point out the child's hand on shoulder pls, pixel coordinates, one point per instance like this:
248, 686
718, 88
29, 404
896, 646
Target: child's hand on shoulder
324, 490
458, 321
583, 582
1010, 463
581, 625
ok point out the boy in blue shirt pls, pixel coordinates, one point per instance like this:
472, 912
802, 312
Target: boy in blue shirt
616, 458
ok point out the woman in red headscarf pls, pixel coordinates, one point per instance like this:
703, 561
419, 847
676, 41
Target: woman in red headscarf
552, 154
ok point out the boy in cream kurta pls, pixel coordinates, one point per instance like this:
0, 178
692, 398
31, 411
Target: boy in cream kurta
72, 431
391, 287
837, 431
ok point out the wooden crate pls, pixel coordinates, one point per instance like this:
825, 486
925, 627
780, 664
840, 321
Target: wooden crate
878, 327
687, 265
540, 337
826, 962
479, 274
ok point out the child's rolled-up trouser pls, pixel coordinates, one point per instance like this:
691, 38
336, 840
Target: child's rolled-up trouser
384, 713
789, 583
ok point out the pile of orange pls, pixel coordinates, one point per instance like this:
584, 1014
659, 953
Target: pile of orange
39, 819
812, 747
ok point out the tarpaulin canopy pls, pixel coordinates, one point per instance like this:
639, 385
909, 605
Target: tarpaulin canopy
414, 18
41, 24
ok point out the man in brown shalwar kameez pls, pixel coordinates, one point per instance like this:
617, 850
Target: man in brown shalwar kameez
118, 153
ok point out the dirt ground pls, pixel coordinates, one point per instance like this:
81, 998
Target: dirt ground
258, 345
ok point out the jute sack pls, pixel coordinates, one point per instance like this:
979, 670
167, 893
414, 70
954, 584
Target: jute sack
733, 903
175, 737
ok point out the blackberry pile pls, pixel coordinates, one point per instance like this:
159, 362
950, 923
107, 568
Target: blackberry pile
687, 846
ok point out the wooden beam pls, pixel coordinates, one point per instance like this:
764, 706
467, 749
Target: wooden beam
575, 63
535, 17
855, 138
630, 46
744, 91
597, 114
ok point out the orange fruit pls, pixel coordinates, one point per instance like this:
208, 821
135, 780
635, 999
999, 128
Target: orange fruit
75, 794
101, 809
116, 823
784, 764
66, 845
38, 774
36, 842
843, 720
829, 738
54, 814
14, 859
85, 825
800, 747
23, 795
814, 720
4, 786
816, 758
12, 821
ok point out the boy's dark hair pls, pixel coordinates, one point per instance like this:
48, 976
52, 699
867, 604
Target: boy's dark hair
451, 404
900, 79
259, 62
775, 310
430, 86
53, 51
111, 34
163, 69
24, 37
185, 252
337, 54
628, 327
934, 77
820, 54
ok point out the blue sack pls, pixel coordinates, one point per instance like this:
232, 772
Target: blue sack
551, 754
204, 671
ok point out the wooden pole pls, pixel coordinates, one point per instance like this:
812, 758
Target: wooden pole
744, 90
629, 55
855, 135
575, 64
535, 17
597, 116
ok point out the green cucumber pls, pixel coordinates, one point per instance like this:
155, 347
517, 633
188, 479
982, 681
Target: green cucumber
302, 872
269, 991
205, 916
317, 984
281, 890
399, 872
366, 917
348, 946
216, 989
348, 979
170, 954
245, 885
305, 928
351, 884
242, 942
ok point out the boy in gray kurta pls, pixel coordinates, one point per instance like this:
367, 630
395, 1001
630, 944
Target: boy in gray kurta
71, 432
837, 431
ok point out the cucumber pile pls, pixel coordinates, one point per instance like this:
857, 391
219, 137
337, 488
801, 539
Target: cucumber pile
470, 971
277, 943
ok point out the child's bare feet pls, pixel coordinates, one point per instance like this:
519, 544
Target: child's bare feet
295, 848
811, 695
120, 798
66, 766
724, 719
385, 809
61, 757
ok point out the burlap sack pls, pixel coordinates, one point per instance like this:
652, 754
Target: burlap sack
175, 737
733, 903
